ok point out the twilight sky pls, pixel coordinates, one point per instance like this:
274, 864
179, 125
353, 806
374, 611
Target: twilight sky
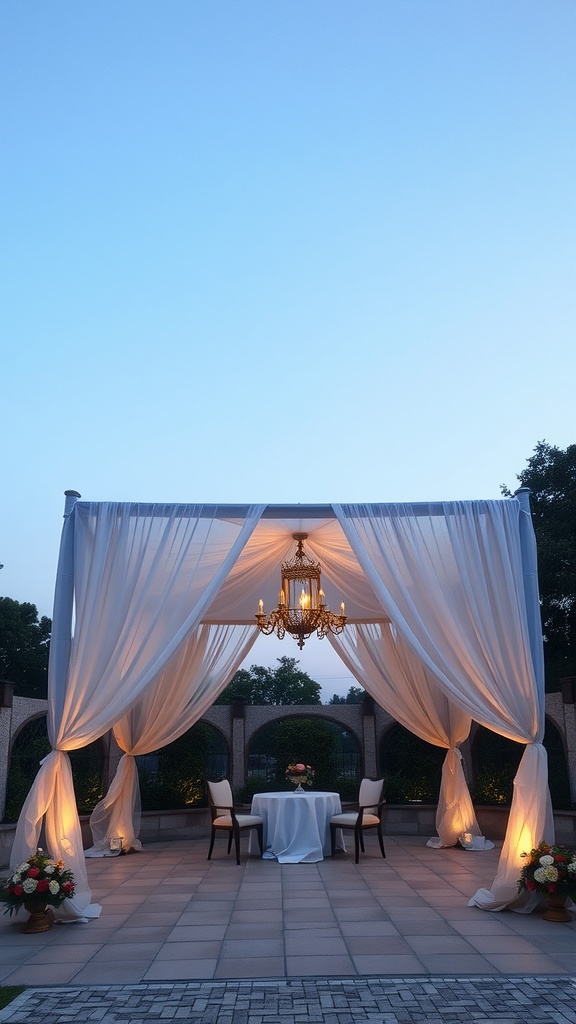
283, 250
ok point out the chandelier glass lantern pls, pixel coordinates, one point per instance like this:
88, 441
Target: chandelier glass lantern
301, 607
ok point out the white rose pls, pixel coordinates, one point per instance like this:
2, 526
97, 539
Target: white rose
16, 877
54, 887
572, 867
546, 859
29, 885
49, 869
23, 867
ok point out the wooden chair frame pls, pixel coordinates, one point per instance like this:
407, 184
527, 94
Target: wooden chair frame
235, 827
359, 828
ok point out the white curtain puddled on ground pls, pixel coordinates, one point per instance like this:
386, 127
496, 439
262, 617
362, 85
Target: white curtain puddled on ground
457, 581
133, 584
179, 697
401, 684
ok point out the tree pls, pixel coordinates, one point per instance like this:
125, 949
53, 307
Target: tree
310, 741
285, 684
24, 647
551, 477
355, 695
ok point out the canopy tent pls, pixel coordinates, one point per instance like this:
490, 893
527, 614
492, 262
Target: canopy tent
155, 608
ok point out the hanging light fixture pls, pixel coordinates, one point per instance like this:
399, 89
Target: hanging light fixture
301, 607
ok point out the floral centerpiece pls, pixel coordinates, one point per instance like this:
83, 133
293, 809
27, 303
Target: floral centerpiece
39, 880
550, 870
299, 773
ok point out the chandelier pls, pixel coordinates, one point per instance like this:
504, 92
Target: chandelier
301, 607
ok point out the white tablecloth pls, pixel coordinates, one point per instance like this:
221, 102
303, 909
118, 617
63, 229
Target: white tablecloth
296, 825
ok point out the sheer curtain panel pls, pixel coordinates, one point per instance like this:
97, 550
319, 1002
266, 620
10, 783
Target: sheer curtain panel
451, 577
181, 694
398, 681
132, 585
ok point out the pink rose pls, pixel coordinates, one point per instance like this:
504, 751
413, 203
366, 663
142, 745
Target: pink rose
17, 890
43, 884
300, 767
33, 872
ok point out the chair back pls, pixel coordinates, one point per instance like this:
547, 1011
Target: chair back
371, 795
219, 797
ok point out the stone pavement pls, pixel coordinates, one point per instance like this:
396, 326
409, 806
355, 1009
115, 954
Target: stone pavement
385, 941
409, 1000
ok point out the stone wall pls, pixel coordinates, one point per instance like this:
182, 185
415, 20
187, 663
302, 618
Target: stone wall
239, 724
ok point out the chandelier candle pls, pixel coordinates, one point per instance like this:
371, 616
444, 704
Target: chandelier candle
304, 613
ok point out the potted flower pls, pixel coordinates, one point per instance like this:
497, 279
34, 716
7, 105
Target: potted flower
550, 870
299, 773
37, 884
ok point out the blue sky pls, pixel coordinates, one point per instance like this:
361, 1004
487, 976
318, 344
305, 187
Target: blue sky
286, 250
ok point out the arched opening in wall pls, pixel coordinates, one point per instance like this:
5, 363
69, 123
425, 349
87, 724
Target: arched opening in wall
30, 746
496, 759
332, 751
558, 775
412, 768
174, 776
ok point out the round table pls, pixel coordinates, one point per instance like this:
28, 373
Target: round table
296, 825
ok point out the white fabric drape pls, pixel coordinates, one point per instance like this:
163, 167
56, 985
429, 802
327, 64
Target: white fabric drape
451, 578
180, 696
400, 683
139, 578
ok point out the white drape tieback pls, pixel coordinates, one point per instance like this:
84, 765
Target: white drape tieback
114, 815
455, 815
530, 821
52, 798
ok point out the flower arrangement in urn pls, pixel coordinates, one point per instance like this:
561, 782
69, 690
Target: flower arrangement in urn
39, 880
549, 869
299, 773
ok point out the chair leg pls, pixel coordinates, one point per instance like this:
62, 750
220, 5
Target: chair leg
357, 839
237, 843
260, 832
381, 840
212, 835
229, 840
332, 840
362, 841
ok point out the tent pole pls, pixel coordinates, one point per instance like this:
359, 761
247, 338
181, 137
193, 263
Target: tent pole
71, 499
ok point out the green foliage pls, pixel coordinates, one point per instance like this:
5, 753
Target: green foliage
8, 993
23, 769
324, 745
412, 768
310, 741
259, 784
355, 695
551, 477
180, 770
87, 774
285, 684
497, 760
31, 745
24, 647
493, 784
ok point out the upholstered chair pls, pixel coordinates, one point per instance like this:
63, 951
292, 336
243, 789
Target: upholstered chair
368, 815
225, 819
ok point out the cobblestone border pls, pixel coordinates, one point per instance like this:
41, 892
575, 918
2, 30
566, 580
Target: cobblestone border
401, 1000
